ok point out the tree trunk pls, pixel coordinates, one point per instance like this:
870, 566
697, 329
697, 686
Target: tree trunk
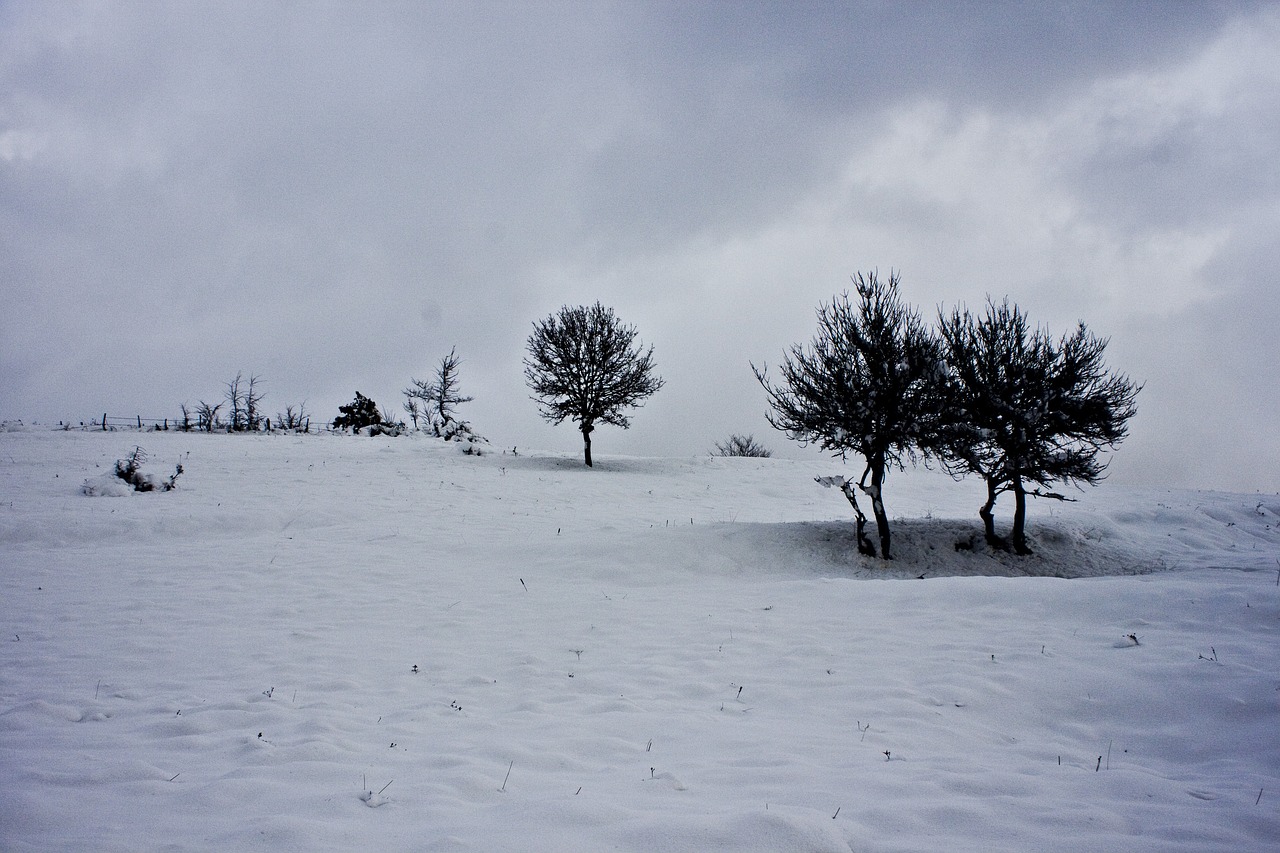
864, 543
989, 519
586, 443
1020, 517
876, 492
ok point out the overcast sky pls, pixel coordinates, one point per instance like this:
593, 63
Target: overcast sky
331, 195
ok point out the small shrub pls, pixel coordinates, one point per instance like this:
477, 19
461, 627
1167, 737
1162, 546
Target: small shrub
294, 418
742, 445
130, 471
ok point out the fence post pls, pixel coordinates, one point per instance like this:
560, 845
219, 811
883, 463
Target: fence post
139, 417
104, 421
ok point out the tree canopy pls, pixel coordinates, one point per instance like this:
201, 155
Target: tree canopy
583, 365
868, 384
1026, 409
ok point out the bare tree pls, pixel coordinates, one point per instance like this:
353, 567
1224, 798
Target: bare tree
411, 406
583, 365
252, 404
235, 399
207, 416
438, 399
1028, 409
741, 445
869, 384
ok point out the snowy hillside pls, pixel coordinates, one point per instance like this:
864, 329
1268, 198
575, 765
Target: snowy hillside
340, 643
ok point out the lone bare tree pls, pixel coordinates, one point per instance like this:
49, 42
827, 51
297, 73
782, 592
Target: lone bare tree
1028, 409
253, 404
583, 365
234, 396
434, 402
869, 384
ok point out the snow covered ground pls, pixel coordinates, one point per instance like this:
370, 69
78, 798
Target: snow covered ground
339, 643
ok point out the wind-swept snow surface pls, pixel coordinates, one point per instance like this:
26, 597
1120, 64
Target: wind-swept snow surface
343, 643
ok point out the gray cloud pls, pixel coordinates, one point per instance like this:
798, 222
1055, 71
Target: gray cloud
332, 196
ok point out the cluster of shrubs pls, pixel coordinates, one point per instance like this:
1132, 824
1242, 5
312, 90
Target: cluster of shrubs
243, 413
431, 405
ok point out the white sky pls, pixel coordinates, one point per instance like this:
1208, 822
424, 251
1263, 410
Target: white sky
331, 195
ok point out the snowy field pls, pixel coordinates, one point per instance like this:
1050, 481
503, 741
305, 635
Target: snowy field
336, 643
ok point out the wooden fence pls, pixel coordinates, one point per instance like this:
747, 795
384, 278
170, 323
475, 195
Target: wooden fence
111, 423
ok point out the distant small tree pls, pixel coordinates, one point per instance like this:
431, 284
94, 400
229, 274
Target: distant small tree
207, 416
253, 404
185, 426
741, 445
234, 397
411, 406
435, 401
1028, 410
583, 365
870, 384
360, 413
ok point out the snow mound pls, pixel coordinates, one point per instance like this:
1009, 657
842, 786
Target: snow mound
106, 486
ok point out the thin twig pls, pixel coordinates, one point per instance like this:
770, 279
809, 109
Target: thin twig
508, 776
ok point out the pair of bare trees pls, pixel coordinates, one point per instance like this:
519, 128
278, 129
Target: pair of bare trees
245, 408
244, 403
985, 395
243, 400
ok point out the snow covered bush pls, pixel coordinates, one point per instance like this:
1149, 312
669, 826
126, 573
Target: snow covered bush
129, 476
358, 414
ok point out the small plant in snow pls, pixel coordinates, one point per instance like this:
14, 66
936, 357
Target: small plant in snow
741, 445
128, 471
369, 797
